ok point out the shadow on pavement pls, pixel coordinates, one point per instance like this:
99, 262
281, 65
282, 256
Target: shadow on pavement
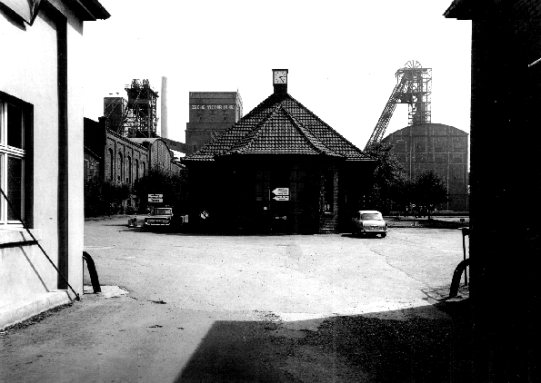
425, 344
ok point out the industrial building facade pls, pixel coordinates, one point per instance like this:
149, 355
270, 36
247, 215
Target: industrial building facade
160, 156
135, 116
210, 114
278, 169
115, 109
439, 148
122, 160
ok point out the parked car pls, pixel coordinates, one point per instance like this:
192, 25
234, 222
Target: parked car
159, 217
369, 222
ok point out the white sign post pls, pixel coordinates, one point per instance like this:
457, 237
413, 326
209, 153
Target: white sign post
281, 194
281, 191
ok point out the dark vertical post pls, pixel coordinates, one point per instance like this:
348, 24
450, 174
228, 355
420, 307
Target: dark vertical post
29, 166
465, 231
63, 150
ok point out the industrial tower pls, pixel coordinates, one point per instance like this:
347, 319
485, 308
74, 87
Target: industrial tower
140, 118
413, 86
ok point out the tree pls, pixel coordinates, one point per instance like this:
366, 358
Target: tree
388, 182
95, 203
157, 182
113, 195
429, 191
104, 197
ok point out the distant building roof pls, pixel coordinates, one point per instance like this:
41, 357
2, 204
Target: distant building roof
87, 10
143, 140
459, 9
280, 125
433, 129
91, 152
93, 10
526, 10
176, 145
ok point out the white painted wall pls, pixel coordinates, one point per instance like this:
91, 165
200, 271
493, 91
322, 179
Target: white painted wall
28, 71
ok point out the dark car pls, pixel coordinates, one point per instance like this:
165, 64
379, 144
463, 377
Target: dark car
159, 217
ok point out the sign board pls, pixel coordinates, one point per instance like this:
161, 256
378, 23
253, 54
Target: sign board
281, 191
155, 198
213, 107
281, 198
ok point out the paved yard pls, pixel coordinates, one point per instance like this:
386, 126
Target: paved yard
247, 308
319, 274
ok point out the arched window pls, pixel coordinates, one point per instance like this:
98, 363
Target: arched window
136, 169
111, 164
129, 178
120, 174
144, 172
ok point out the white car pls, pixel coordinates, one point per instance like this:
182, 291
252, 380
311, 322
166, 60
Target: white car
369, 222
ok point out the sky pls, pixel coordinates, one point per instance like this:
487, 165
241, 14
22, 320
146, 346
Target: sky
342, 56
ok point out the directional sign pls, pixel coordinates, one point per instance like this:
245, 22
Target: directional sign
281, 191
281, 198
155, 198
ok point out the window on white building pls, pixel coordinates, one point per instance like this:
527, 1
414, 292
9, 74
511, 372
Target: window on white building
12, 160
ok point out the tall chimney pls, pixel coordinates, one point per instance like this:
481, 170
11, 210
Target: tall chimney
164, 132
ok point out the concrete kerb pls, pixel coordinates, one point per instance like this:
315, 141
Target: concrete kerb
434, 222
17, 312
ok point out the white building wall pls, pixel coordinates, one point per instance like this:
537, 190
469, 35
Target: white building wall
30, 74
28, 71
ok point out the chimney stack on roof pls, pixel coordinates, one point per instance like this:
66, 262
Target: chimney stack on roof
164, 132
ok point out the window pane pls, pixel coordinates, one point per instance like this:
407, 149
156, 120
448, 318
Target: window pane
14, 126
15, 188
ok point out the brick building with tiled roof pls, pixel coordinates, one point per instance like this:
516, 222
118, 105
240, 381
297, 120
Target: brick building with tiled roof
505, 97
281, 169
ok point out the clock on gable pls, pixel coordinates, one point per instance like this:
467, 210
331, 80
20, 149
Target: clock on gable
279, 76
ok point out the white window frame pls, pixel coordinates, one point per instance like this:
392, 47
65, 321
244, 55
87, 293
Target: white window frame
7, 152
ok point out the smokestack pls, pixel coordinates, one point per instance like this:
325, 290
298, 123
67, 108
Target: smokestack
164, 132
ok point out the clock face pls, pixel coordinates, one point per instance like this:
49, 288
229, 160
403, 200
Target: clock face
280, 77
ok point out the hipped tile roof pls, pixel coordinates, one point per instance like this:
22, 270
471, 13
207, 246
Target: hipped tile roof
280, 125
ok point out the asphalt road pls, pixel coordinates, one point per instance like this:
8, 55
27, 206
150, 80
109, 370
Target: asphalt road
249, 308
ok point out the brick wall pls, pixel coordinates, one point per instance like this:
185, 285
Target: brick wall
210, 114
440, 148
130, 160
92, 167
160, 156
